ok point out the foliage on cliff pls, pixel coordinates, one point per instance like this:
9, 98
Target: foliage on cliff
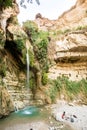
70, 90
5, 3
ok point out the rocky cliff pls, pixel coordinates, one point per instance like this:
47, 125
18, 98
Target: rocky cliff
70, 56
12, 61
76, 16
14, 48
68, 45
67, 49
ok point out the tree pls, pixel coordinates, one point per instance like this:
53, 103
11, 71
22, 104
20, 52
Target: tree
22, 2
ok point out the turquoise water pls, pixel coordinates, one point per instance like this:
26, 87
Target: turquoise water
28, 112
26, 115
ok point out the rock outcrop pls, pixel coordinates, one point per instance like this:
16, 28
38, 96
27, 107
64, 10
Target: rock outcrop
70, 56
6, 104
75, 17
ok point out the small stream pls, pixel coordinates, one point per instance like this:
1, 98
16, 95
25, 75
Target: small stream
38, 118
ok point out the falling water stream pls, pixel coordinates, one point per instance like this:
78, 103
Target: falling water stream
27, 57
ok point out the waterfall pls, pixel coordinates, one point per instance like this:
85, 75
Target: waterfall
27, 58
16, 107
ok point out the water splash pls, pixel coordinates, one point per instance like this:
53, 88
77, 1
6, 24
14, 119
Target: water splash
16, 107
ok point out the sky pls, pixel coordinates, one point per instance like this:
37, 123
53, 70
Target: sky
50, 9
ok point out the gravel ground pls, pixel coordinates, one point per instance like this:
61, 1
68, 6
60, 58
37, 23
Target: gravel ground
38, 125
75, 115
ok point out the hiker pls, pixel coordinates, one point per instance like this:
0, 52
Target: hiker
63, 115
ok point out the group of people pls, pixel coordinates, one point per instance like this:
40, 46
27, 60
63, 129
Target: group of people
71, 117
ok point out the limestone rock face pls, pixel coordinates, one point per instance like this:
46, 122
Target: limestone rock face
12, 77
5, 14
6, 102
70, 56
14, 44
73, 18
12, 84
76, 16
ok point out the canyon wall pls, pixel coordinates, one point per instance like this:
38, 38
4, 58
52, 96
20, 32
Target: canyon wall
68, 48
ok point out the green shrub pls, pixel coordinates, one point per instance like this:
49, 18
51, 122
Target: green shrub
44, 78
32, 85
2, 38
5, 3
42, 50
3, 71
79, 28
20, 44
53, 93
59, 32
31, 29
66, 31
31, 58
83, 85
71, 88
13, 20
